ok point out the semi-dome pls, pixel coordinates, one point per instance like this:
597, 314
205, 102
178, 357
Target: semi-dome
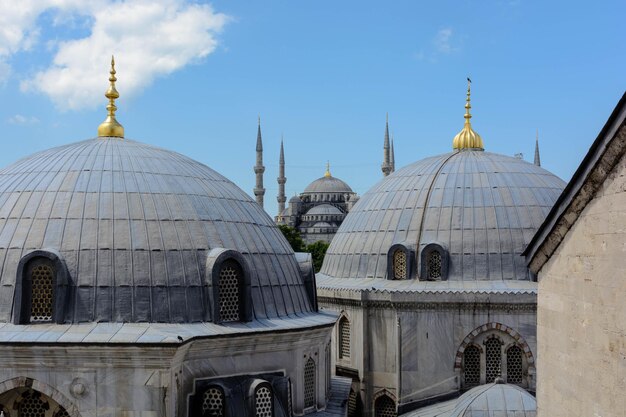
137, 230
324, 209
479, 209
496, 400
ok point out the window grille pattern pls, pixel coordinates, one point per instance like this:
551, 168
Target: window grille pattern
41, 300
32, 406
263, 402
213, 402
514, 370
399, 264
309, 383
229, 294
344, 338
289, 400
434, 265
471, 366
385, 407
61, 412
352, 403
493, 359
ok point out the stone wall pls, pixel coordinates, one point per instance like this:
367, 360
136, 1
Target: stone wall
582, 312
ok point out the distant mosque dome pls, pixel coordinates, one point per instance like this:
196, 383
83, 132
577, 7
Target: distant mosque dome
327, 184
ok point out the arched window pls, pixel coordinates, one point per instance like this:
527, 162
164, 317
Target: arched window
434, 265
309, 383
471, 366
352, 412
514, 365
263, 401
399, 264
213, 402
42, 291
230, 283
493, 359
344, 338
385, 407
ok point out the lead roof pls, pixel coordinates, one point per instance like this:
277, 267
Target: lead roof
134, 224
483, 208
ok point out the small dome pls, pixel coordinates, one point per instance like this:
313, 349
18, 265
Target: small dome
327, 184
496, 400
480, 207
322, 209
135, 224
295, 199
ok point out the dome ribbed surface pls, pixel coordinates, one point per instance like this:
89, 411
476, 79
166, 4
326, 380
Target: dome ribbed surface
327, 185
496, 400
482, 207
134, 224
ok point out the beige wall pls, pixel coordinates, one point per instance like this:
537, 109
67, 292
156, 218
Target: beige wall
582, 312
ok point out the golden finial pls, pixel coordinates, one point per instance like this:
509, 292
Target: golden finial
467, 138
111, 127
327, 173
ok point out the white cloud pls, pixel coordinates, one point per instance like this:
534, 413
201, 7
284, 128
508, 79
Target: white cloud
149, 38
442, 41
18, 119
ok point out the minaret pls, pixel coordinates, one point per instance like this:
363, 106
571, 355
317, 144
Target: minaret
259, 169
111, 127
281, 180
392, 158
386, 166
537, 159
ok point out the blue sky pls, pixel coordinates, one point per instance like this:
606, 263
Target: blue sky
193, 76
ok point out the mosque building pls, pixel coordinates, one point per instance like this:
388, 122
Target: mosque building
435, 299
135, 281
320, 209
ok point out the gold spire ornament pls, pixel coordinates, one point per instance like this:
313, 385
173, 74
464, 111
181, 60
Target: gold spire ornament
327, 173
111, 127
467, 138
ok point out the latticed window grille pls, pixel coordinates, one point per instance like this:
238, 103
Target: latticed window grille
514, 368
229, 293
263, 402
471, 366
213, 402
399, 264
289, 400
61, 412
309, 383
434, 265
493, 359
42, 293
352, 403
344, 338
385, 407
32, 405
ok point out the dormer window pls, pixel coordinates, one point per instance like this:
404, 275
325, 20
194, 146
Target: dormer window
399, 262
434, 263
42, 291
228, 283
230, 291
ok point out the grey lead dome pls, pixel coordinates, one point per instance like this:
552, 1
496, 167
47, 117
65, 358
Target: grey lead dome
134, 224
483, 208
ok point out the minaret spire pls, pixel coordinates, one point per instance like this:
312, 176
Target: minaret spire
392, 158
282, 198
111, 127
537, 158
386, 166
259, 169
